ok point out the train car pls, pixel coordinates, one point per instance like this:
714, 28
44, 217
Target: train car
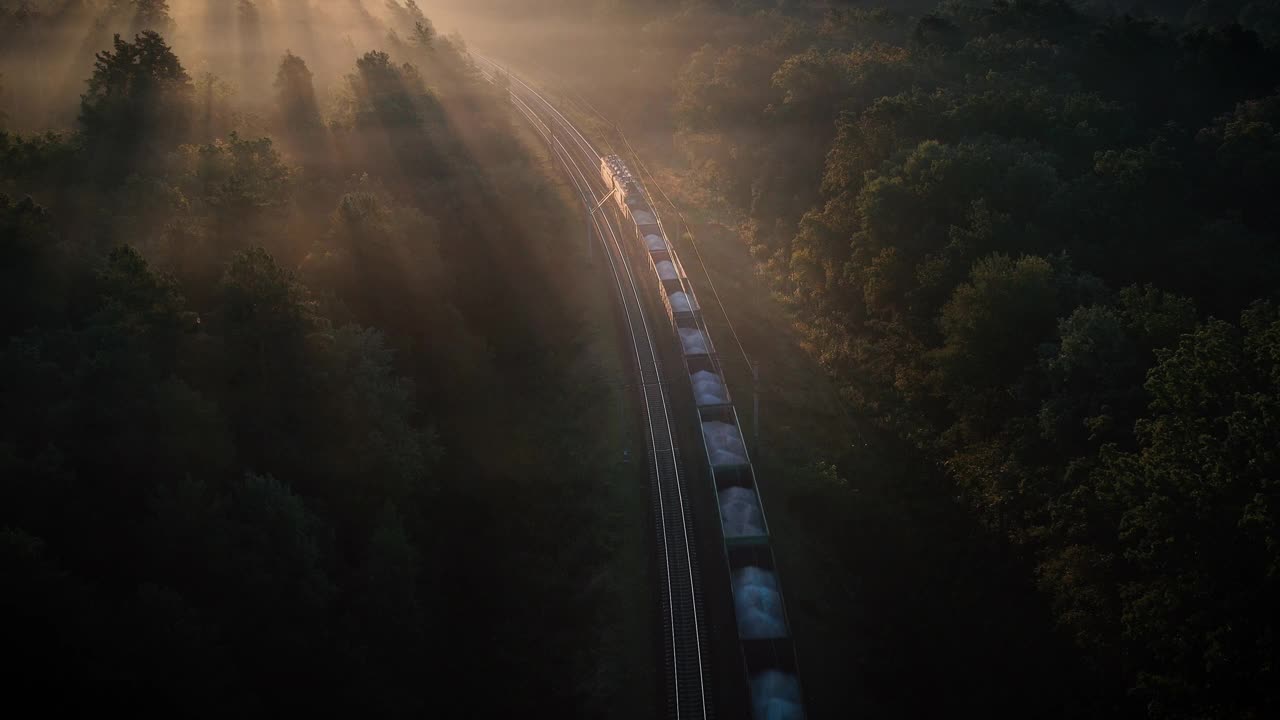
709, 388
666, 266
742, 518
775, 686
768, 652
627, 191
758, 604
695, 341
764, 632
640, 211
631, 201
677, 295
610, 166
722, 437
653, 241
649, 235
618, 179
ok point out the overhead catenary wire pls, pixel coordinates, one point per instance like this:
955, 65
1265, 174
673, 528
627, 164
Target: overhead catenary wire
582, 184
753, 368
693, 242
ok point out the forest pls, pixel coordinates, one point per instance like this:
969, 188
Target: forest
291, 409
1035, 245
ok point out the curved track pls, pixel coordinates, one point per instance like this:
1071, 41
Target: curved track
684, 626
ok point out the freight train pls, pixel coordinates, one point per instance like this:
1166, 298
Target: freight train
764, 634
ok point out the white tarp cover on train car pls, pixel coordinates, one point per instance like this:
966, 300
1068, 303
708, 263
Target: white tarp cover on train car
775, 695
626, 191
655, 242
609, 169
758, 604
643, 217
666, 270
708, 388
724, 443
682, 303
693, 341
740, 513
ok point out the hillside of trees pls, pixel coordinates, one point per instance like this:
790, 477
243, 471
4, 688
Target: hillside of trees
292, 393
291, 406
1036, 243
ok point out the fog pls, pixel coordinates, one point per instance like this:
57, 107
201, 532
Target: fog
612, 47
293, 274
283, 284
238, 41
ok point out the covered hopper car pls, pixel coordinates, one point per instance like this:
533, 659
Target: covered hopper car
764, 634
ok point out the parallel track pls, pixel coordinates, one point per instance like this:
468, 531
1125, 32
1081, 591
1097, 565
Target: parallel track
683, 619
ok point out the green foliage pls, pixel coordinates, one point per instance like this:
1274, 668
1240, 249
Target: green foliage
222, 490
242, 187
424, 34
979, 356
151, 15
215, 109
1098, 363
36, 277
1188, 517
395, 116
950, 200
299, 111
138, 101
382, 95
37, 158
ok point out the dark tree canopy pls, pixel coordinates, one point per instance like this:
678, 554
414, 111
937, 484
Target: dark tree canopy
138, 101
247, 409
296, 102
1007, 230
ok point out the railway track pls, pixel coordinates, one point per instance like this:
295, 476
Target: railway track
687, 694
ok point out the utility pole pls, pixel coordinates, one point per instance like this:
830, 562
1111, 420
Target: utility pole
590, 218
755, 396
622, 423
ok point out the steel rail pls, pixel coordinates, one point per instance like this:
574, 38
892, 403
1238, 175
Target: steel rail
654, 395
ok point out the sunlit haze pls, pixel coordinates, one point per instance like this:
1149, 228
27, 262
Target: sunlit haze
638, 359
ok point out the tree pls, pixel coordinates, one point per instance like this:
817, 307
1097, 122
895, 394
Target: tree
388, 621
264, 317
1243, 149
934, 31
377, 255
1096, 368
382, 96
991, 328
394, 116
296, 104
37, 274
152, 16
252, 54
424, 34
1197, 523
922, 221
137, 103
143, 305
51, 618
241, 188
272, 590
215, 108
